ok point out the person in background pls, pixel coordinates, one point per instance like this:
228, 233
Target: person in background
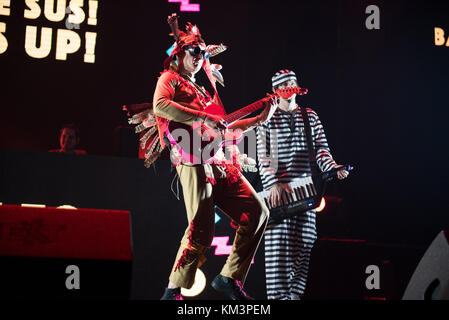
69, 138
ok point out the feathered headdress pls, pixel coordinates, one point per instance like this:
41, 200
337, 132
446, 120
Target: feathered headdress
192, 36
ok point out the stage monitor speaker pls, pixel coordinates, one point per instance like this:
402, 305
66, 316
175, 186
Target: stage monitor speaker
430, 281
64, 254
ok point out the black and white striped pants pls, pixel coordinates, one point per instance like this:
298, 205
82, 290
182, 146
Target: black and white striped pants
287, 254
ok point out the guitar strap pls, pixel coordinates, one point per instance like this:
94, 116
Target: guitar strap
310, 148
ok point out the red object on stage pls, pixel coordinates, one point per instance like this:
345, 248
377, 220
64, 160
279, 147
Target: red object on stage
65, 233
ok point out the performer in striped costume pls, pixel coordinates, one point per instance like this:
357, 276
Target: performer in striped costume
283, 156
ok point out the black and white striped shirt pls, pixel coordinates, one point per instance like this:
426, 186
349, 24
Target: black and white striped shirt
282, 147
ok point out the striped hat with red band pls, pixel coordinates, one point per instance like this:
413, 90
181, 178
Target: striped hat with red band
282, 76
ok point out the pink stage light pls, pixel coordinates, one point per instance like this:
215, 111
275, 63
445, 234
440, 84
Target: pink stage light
222, 247
221, 244
186, 6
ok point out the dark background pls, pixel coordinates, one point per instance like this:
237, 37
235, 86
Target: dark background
381, 94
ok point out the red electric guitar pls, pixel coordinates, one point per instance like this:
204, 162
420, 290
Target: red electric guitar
198, 144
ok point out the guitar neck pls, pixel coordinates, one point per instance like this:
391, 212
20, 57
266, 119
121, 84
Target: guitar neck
285, 93
236, 115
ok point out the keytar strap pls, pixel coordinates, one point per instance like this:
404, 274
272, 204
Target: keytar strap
310, 148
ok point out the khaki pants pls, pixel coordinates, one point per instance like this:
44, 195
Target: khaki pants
239, 201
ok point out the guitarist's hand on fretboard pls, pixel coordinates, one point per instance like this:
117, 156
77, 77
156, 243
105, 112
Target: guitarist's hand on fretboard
270, 108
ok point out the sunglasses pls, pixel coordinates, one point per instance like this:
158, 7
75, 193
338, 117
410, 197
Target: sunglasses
196, 51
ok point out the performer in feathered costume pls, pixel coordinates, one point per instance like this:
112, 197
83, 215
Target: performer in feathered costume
178, 98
